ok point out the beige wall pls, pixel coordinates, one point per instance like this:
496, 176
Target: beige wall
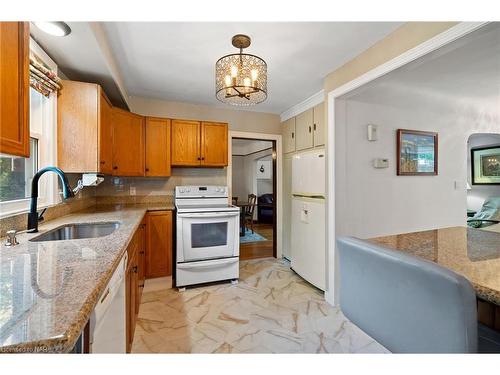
404, 38
239, 120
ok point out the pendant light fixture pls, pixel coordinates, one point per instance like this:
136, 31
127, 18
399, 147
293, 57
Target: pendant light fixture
241, 78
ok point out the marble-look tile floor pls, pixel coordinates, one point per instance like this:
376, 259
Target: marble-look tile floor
270, 310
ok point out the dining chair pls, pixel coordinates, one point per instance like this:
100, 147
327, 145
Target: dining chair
407, 304
249, 210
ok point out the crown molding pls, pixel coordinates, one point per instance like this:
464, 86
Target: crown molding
310, 102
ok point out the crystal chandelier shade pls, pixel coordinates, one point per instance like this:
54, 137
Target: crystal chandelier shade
241, 78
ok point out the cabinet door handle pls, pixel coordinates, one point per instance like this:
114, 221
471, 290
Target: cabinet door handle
141, 252
203, 158
293, 135
147, 169
314, 127
115, 167
135, 269
103, 162
310, 129
199, 158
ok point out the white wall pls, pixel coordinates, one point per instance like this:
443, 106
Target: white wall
477, 195
265, 186
373, 202
244, 180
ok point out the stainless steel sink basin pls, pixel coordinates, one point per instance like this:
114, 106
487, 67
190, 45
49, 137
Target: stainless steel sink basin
78, 231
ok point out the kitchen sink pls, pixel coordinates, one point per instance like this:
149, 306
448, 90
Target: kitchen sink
78, 231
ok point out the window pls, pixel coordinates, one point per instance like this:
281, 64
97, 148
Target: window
16, 174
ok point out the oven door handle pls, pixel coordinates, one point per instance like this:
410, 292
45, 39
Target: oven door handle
207, 264
209, 214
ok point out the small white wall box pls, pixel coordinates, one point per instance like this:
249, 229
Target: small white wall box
264, 169
372, 132
92, 179
381, 163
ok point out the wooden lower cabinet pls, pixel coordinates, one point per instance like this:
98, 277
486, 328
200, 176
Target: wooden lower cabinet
134, 282
149, 255
141, 259
488, 314
158, 244
132, 295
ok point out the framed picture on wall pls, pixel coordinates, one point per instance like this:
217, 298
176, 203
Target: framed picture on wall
417, 153
264, 169
485, 164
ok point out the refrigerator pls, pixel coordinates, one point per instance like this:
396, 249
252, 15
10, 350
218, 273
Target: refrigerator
308, 245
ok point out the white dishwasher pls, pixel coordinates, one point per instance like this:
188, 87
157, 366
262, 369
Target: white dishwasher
108, 320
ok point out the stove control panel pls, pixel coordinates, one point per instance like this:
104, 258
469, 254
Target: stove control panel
201, 191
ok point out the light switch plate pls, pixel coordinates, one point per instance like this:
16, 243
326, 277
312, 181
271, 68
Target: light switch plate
381, 163
372, 132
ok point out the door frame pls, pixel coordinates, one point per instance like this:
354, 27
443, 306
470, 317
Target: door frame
333, 152
277, 180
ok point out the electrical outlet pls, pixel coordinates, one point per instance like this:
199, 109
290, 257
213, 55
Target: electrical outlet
132, 190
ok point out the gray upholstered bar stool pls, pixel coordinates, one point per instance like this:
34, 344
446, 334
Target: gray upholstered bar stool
407, 304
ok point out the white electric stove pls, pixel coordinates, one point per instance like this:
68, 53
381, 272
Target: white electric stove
207, 235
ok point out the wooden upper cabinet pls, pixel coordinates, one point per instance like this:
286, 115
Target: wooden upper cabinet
105, 135
214, 144
84, 133
319, 124
186, 143
14, 88
289, 135
197, 143
304, 128
157, 147
128, 143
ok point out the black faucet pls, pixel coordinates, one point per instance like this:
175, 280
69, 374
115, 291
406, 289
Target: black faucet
33, 217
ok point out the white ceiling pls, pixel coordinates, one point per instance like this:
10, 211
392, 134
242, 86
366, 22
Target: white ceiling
465, 72
175, 61
79, 57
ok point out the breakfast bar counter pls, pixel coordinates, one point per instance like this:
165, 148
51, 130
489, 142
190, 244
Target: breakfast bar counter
472, 253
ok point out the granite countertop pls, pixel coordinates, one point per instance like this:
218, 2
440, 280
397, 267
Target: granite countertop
49, 289
473, 253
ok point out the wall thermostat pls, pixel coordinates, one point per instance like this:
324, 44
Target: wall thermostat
372, 132
381, 163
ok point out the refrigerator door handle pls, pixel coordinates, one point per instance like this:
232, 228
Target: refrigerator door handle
303, 195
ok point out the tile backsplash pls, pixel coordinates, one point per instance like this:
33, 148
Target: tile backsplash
123, 190
151, 186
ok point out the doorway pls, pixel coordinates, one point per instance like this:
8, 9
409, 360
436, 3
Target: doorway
253, 179
483, 181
